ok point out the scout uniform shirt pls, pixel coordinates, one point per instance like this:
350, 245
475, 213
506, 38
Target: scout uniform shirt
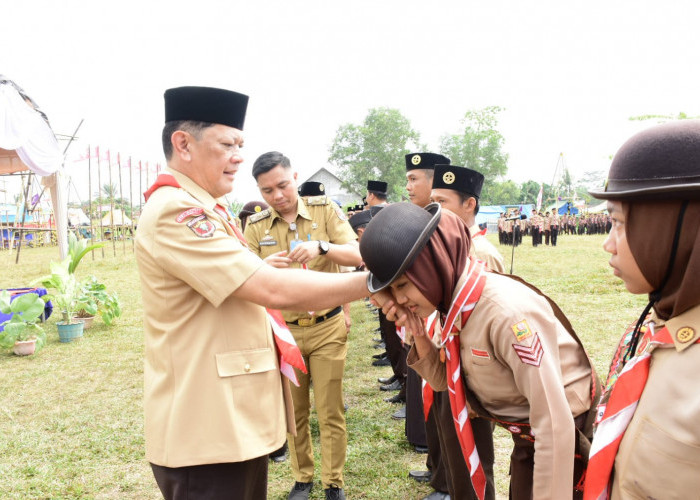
213, 392
659, 456
523, 366
484, 250
318, 218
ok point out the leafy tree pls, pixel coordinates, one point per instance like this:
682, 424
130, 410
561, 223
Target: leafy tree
374, 150
663, 118
529, 191
501, 193
479, 146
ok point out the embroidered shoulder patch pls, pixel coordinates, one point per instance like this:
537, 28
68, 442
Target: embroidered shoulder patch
521, 330
531, 355
190, 212
317, 200
339, 212
480, 353
202, 227
259, 216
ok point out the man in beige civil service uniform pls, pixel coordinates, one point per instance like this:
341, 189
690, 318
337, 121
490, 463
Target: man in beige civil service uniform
213, 395
311, 232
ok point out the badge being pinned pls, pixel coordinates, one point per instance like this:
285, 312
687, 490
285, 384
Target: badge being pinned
202, 227
521, 330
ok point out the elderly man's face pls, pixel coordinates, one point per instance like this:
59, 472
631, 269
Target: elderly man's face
215, 158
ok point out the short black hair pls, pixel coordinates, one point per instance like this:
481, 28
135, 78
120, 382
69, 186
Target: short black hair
464, 197
192, 127
268, 161
378, 194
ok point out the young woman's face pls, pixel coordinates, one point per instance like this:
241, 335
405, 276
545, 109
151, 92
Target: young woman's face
621, 260
407, 294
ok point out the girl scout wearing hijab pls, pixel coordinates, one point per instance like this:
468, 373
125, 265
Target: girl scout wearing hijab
647, 442
501, 348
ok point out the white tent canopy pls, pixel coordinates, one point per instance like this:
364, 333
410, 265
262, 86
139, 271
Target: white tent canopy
116, 217
28, 143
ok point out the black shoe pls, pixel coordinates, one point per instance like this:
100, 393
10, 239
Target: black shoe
380, 345
300, 491
422, 476
421, 449
334, 493
437, 495
399, 414
386, 380
380, 356
394, 386
377, 339
381, 362
396, 398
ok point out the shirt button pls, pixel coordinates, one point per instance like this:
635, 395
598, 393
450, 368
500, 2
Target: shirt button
246, 368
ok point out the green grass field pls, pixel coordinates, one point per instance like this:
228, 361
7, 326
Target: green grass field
71, 420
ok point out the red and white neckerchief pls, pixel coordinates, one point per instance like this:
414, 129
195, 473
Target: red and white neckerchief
288, 352
618, 413
428, 395
464, 304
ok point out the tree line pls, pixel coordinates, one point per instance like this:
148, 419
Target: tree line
375, 149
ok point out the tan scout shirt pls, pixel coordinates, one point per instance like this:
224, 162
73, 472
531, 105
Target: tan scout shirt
548, 395
659, 455
212, 391
484, 250
318, 218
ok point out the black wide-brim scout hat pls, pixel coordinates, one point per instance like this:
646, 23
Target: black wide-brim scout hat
394, 238
660, 163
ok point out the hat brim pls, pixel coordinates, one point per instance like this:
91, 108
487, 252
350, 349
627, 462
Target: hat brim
375, 285
691, 191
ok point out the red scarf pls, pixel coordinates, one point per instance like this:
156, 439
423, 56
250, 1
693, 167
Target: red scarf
287, 350
464, 304
618, 412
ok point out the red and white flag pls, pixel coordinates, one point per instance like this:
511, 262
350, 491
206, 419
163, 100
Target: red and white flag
539, 198
289, 354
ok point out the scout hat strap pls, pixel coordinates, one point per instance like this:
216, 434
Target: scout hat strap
464, 304
617, 415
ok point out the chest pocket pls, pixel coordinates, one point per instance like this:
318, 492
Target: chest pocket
479, 356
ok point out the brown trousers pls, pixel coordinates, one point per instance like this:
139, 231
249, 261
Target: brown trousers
228, 481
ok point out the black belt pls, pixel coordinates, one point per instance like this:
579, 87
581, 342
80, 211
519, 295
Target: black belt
316, 319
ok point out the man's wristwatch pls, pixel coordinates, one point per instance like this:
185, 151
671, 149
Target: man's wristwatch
323, 247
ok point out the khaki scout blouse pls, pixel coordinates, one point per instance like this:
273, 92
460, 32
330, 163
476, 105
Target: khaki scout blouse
212, 390
547, 394
659, 455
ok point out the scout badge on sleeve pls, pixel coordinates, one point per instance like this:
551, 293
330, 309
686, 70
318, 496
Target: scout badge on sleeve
530, 355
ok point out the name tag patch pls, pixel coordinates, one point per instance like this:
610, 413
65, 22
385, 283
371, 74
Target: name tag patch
202, 227
480, 353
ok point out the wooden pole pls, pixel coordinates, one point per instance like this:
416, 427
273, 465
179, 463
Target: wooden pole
92, 228
121, 197
24, 213
99, 198
111, 204
131, 203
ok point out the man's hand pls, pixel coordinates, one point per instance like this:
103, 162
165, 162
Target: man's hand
304, 252
278, 260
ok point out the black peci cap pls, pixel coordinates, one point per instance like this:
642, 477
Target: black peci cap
662, 162
461, 179
206, 104
377, 186
425, 160
312, 188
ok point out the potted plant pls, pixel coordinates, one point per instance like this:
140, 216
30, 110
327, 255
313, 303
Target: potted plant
94, 299
66, 297
21, 332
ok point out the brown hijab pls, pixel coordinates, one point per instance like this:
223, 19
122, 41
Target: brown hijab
650, 229
440, 264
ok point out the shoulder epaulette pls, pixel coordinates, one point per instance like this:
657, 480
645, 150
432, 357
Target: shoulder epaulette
317, 200
259, 216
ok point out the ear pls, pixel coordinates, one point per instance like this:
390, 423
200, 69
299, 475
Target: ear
295, 176
181, 144
469, 204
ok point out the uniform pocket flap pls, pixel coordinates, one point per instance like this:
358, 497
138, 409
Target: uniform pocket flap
233, 363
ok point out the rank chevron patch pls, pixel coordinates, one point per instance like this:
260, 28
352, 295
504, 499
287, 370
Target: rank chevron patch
531, 355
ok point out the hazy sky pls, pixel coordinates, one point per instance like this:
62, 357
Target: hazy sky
569, 74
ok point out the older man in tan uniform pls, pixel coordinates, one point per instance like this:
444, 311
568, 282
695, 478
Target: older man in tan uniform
213, 394
312, 232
